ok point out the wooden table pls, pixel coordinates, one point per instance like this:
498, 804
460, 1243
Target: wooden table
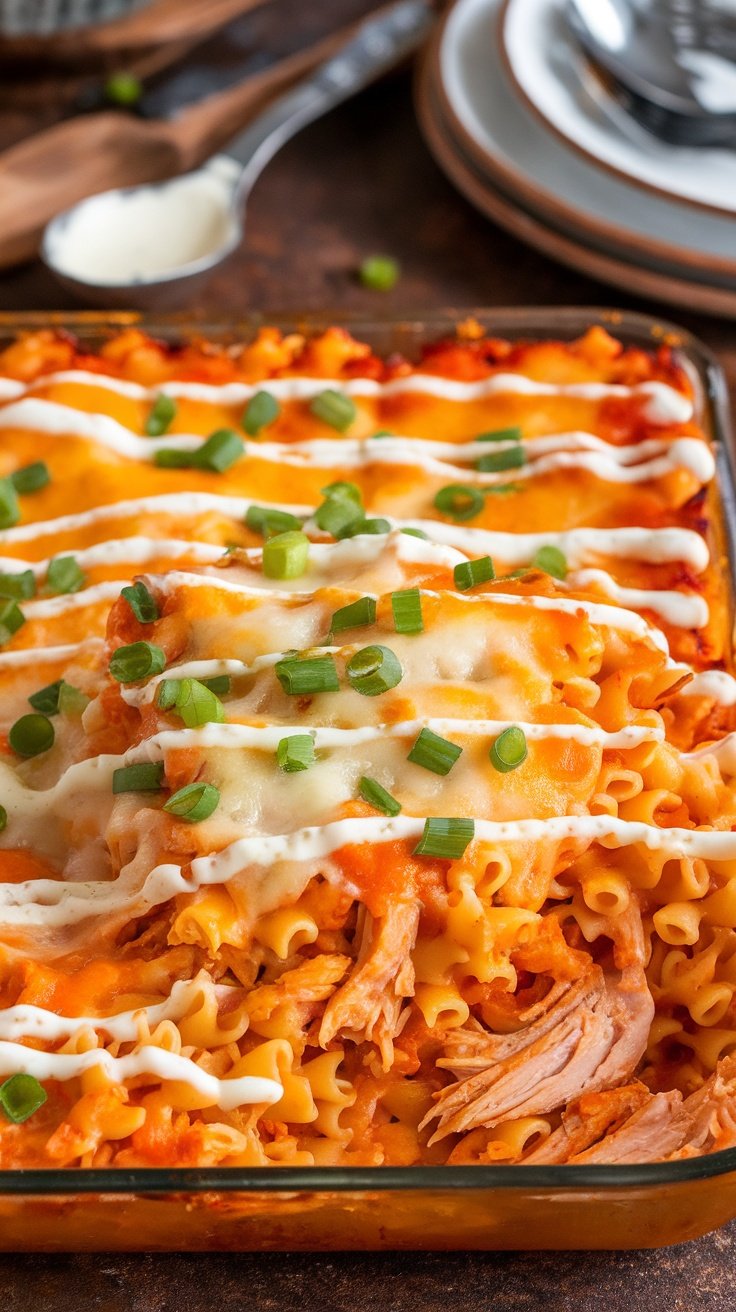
359, 182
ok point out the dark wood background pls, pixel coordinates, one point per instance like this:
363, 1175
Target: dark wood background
362, 181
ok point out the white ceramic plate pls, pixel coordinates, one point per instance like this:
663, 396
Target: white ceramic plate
549, 68
509, 142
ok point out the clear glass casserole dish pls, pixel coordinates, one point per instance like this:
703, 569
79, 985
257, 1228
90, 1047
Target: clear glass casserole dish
447, 1207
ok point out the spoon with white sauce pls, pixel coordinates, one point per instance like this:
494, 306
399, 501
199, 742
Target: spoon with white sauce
148, 246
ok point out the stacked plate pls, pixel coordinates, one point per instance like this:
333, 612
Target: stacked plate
518, 120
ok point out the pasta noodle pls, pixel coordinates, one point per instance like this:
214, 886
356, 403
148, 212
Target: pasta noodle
367, 775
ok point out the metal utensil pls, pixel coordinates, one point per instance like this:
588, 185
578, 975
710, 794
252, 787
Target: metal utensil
379, 44
670, 63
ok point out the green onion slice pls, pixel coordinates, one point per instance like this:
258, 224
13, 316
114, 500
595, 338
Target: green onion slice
286, 556
20, 1096
72, 701
137, 661
46, 700
172, 458
472, 572
334, 408
3, 818
446, 838
31, 478
21, 587
148, 777
509, 750
416, 533
311, 675
502, 489
407, 611
220, 451
64, 575
260, 411
434, 753
374, 526
161, 416
496, 461
296, 752
379, 273
342, 491
9, 508
220, 684
500, 435
376, 796
266, 522
31, 735
11, 619
339, 517
192, 701
459, 502
194, 802
374, 670
142, 604
355, 616
552, 561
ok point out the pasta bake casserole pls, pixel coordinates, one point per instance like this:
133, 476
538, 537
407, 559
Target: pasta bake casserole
367, 771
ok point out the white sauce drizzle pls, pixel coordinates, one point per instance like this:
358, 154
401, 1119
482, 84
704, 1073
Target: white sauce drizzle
662, 404
148, 1060
715, 684
682, 610
27, 1021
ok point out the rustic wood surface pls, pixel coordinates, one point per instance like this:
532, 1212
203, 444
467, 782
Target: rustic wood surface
361, 181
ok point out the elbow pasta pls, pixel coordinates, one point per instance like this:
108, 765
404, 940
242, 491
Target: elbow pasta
338, 845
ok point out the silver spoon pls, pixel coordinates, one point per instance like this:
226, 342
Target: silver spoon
672, 64
147, 246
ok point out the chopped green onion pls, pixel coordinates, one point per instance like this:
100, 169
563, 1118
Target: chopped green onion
46, 700
21, 587
267, 522
20, 1096
142, 604
379, 273
500, 435
192, 701
220, 451
123, 89
496, 461
502, 489
374, 670
170, 457
31, 735
374, 526
355, 616
194, 802
3, 818
148, 777
552, 561
72, 701
334, 408
434, 753
11, 619
509, 750
337, 516
311, 675
416, 533
9, 508
137, 661
459, 502
376, 796
31, 478
260, 411
380, 432
219, 685
286, 556
64, 575
296, 752
407, 611
342, 491
446, 838
470, 573
161, 416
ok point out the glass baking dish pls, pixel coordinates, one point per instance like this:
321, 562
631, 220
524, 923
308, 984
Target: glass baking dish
368, 1208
